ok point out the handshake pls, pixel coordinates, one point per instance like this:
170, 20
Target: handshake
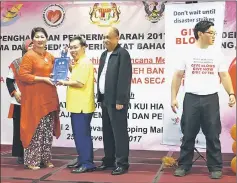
58, 82
49, 80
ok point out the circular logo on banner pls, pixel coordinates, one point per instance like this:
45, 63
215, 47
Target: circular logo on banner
54, 15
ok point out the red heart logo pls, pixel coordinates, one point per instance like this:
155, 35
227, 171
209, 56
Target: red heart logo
54, 15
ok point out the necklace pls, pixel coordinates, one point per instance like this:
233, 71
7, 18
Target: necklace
45, 59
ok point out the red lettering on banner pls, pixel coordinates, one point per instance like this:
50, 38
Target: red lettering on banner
155, 70
154, 80
136, 81
150, 74
160, 60
187, 32
138, 70
190, 40
188, 37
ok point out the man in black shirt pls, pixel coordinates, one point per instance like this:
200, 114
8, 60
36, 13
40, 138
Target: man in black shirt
114, 83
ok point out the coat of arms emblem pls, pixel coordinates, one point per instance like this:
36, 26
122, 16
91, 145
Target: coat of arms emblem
104, 14
154, 10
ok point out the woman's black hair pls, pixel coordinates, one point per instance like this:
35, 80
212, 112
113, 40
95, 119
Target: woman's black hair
38, 29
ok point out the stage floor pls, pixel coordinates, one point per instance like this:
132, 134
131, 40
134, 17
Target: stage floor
145, 167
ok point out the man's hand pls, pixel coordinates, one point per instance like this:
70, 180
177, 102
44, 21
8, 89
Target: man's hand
174, 105
17, 96
119, 107
232, 100
176, 82
71, 64
60, 83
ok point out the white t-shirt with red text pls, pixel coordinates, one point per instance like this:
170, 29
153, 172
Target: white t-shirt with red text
201, 68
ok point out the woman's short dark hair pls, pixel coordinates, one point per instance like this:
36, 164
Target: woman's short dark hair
38, 29
202, 26
80, 39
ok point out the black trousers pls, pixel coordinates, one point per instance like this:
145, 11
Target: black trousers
17, 148
201, 111
115, 135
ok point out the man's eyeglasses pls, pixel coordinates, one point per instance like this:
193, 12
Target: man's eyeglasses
73, 48
211, 33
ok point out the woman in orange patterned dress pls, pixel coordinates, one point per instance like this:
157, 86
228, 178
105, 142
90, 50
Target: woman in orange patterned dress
40, 103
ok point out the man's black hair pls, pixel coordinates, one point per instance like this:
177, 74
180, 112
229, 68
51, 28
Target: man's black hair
202, 26
80, 39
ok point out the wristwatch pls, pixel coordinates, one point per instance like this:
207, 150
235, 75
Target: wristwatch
231, 94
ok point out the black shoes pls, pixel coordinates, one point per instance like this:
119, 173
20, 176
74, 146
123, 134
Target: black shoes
119, 171
216, 175
83, 169
105, 167
74, 165
180, 172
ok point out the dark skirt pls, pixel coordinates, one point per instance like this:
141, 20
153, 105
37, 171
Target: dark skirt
17, 148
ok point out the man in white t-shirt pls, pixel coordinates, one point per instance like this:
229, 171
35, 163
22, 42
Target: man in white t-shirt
204, 68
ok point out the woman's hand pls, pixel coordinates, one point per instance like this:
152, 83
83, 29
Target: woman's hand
51, 75
48, 80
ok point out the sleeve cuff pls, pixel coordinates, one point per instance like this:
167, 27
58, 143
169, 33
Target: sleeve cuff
119, 102
80, 81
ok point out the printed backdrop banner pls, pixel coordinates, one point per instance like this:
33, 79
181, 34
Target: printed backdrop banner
142, 28
182, 19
